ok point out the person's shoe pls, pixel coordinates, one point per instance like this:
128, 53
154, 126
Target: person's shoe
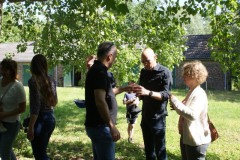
130, 140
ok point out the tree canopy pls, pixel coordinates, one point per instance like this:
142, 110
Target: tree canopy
67, 31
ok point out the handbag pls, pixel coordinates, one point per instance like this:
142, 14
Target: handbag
213, 130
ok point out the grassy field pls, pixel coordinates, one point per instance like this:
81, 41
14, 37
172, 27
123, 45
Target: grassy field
69, 140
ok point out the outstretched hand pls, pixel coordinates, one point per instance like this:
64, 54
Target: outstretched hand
139, 90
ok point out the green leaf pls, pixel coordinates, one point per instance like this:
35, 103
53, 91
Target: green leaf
122, 8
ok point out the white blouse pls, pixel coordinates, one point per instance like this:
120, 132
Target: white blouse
15, 94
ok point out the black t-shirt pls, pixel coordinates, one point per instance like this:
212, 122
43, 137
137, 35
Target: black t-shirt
97, 78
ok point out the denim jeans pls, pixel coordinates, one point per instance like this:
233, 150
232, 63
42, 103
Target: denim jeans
7, 139
43, 130
154, 140
102, 144
193, 152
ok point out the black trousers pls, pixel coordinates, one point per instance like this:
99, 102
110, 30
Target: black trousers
154, 140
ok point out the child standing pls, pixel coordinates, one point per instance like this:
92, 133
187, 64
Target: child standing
131, 101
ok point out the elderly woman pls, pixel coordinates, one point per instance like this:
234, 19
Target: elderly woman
13, 102
193, 121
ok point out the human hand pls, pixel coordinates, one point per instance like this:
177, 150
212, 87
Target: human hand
171, 97
132, 99
136, 101
129, 87
171, 106
139, 90
115, 134
30, 134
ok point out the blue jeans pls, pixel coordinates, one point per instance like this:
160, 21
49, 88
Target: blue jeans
7, 139
43, 130
102, 144
154, 139
193, 152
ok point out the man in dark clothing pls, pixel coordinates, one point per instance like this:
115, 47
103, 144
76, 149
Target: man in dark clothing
154, 89
101, 104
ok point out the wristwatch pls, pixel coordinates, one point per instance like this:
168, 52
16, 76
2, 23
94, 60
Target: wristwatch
150, 94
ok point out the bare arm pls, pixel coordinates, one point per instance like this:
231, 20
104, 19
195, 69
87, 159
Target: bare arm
121, 89
130, 102
193, 110
141, 91
102, 107
30, 134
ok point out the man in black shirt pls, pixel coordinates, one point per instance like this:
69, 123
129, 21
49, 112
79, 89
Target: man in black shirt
101, 104
154, 89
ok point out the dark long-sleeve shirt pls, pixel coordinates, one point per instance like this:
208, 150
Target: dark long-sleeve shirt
158, 80
37, 104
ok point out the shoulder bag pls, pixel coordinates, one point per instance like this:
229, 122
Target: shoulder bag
213, 130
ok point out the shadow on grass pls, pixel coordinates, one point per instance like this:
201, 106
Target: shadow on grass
212, 156
232, 96
67, 113
70, 150
78, 150
172, 156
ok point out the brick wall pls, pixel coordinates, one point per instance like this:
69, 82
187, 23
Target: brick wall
215, 80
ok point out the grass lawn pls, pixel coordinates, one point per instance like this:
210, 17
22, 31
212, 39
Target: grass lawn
69, 140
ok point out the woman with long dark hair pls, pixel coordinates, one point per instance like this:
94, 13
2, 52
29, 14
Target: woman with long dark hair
13, 103
43, 99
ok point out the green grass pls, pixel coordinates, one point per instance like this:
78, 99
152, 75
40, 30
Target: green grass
69, 140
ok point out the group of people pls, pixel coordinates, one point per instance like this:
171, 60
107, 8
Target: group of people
153, 89
42, 99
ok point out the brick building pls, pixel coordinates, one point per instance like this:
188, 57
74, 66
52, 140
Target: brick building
198, 50
23, 60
